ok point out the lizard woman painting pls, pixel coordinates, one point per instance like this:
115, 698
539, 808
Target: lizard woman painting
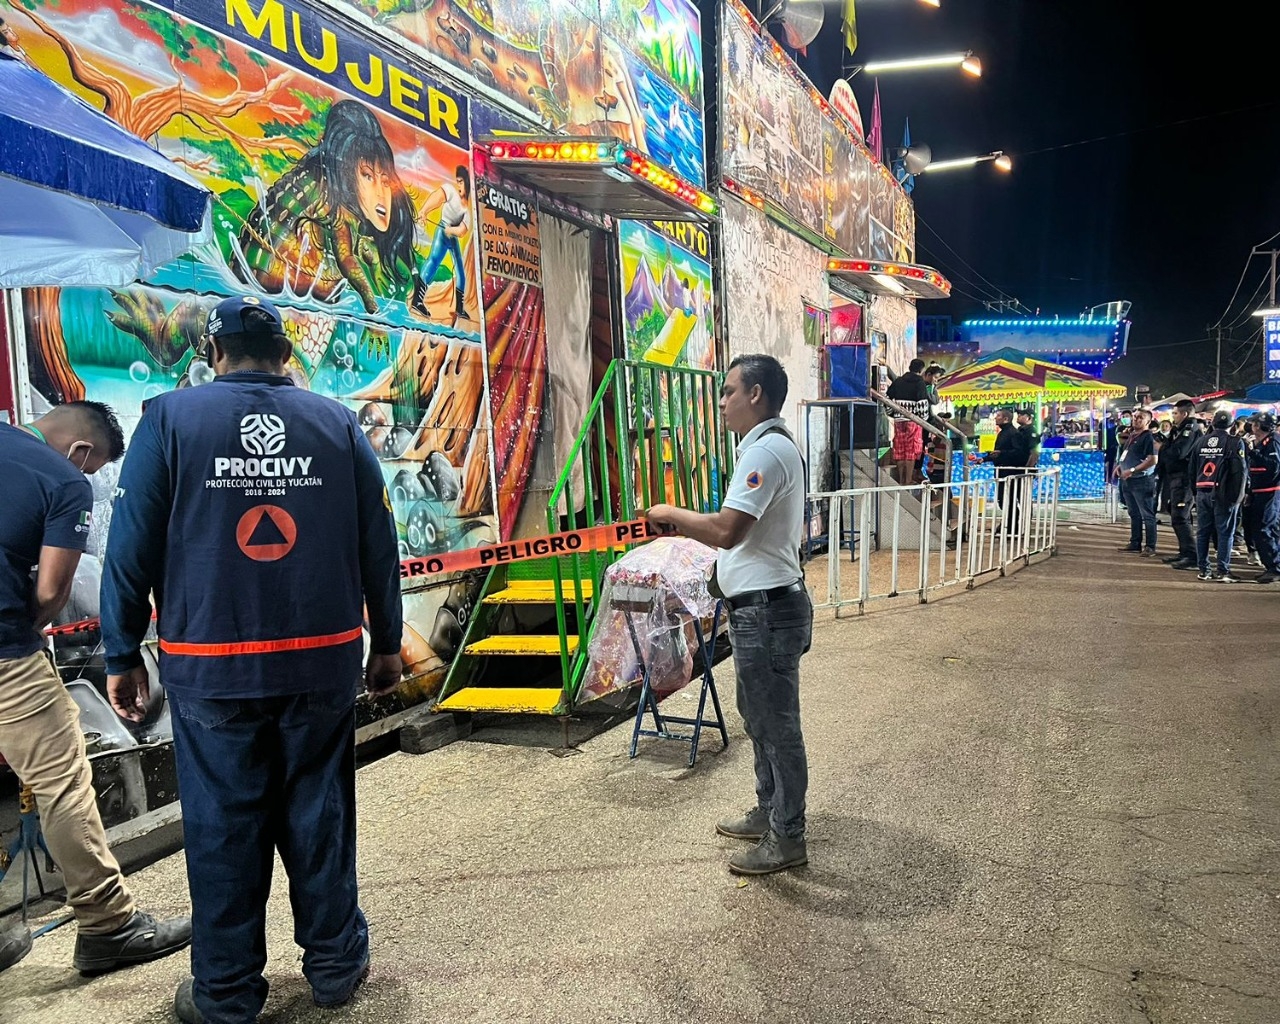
338, 218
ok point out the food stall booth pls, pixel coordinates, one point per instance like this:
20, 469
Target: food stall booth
1013, 379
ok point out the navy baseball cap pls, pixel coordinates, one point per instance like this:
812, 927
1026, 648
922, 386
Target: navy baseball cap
227, 316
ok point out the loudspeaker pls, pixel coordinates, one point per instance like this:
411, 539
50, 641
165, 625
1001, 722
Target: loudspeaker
864, 427
866, 424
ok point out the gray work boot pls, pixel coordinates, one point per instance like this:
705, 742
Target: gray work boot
15, 943
772, 853
753, 825
140, 940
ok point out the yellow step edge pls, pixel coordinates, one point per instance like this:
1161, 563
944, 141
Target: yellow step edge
520, 644
539, 592
529, 701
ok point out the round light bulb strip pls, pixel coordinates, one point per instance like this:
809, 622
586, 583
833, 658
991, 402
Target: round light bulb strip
606, 154
906, 270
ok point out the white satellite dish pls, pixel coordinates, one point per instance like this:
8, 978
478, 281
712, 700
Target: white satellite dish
801, 21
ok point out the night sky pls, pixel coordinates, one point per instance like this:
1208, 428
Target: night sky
1163, 215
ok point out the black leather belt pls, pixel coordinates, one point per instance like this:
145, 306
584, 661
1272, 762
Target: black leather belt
762, 596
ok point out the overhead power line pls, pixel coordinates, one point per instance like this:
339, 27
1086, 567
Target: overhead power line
1247, 311
958, 277
1151, 128
1247, 260
998, 293
1169, 344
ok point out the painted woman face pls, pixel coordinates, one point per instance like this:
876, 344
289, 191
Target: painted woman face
373, 189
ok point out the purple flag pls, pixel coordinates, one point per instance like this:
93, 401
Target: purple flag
873, 136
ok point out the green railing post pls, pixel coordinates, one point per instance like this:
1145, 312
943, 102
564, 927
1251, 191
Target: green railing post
699, 446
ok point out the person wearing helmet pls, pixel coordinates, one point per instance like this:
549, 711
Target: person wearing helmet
1262, 526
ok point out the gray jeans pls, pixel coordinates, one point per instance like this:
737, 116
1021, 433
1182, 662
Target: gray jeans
768, 640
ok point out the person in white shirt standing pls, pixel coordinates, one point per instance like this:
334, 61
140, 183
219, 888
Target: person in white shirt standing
453, 200
758, 572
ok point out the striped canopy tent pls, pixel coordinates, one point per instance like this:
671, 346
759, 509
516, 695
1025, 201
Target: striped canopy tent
1009, 377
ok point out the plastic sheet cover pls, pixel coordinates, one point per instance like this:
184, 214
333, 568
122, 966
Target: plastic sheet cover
661, 588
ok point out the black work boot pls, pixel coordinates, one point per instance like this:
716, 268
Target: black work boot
184, 1003
772, 853
754, 825
333, 1002
139, 941
15, 943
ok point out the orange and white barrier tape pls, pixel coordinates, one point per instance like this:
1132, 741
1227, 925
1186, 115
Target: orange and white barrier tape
571, 542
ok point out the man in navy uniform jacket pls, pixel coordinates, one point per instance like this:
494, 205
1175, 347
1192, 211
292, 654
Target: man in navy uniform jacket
256, 513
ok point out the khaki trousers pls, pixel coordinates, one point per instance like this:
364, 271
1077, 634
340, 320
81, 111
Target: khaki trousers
40, 737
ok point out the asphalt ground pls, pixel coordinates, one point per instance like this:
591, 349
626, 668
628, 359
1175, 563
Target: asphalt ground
1051, 799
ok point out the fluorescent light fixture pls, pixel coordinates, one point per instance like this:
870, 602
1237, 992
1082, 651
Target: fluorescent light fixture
972, 65
890, 283
932, 3
944, 60
1001, 161
951, 165
1267, 312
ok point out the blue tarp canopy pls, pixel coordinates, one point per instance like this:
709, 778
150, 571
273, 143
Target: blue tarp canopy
82, 200
1267, 391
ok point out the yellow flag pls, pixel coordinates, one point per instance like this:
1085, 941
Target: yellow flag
850, 27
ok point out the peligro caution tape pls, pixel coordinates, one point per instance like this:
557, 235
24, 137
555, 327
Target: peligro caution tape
571, 542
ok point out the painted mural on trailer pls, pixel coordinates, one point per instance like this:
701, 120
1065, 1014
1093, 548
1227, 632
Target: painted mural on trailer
343, 191
895, 317
774, 283
779, 140
667, 294
515, 328
631, 69
771, 130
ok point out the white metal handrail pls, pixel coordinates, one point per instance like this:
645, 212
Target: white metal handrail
977, 527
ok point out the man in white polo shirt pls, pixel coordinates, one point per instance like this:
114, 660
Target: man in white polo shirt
758, 532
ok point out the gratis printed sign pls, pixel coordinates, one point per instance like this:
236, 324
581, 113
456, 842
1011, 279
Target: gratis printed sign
509, 245
1271, 348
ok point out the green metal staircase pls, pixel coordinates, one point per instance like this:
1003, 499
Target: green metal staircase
651, 434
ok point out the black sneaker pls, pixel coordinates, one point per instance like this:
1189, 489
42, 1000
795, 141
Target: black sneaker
15, 943
754, 825
772, 853
1226, 577
1207, 574
1266, 577
1147, 553
1183, 563
1171, 559
140, 941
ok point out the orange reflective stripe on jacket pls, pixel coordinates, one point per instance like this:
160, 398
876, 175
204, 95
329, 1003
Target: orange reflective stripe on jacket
298, 643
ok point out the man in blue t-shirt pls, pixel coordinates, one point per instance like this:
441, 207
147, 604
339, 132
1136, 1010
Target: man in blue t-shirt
44, 523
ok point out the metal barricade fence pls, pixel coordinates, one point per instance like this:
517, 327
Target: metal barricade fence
921, 539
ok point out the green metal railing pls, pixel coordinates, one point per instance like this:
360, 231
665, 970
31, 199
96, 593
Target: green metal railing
652, 434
